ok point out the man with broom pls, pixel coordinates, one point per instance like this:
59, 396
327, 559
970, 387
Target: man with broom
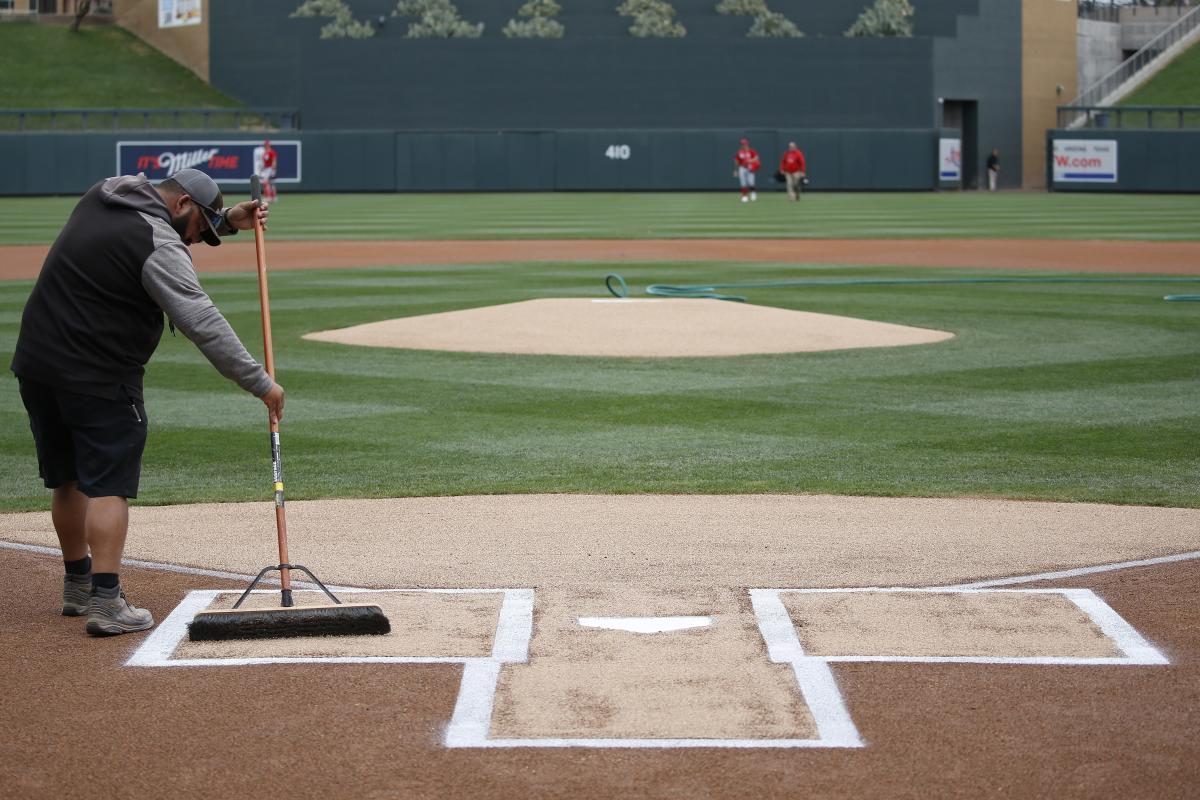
92, 322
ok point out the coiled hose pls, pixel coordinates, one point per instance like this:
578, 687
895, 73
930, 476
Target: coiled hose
617, 286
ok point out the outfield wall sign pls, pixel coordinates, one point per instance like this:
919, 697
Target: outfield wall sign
1085, 161
950, 160
175, 13
225, 161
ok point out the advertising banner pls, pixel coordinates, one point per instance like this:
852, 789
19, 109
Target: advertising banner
1085, 161
950, 160
174, 13
226, 162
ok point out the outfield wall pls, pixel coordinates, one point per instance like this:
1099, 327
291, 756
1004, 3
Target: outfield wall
599, 77
453, 161
1142, 161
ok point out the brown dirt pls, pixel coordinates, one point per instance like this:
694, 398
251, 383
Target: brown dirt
1172, 258
76, 720
638, 328
662, 541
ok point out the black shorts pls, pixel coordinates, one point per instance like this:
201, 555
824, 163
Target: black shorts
95, 441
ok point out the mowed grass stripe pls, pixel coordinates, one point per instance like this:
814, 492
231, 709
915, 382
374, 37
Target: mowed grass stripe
688, 215
1057, 392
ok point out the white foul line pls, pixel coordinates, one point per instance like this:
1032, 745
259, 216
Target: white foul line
1074, 573
176, 568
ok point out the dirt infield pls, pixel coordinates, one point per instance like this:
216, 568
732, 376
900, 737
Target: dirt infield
373, 731
1170, 258
644, 328
1063, 717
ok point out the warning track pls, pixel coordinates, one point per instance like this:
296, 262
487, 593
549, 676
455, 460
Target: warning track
1168, 258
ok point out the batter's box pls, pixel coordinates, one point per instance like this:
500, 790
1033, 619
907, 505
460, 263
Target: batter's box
976, 626
428, 626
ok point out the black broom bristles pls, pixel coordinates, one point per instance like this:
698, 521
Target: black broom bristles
285, 623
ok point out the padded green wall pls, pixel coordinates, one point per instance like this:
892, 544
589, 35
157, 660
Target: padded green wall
1147, 161
451, 161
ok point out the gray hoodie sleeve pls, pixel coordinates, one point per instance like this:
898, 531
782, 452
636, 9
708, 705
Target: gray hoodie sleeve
170, 279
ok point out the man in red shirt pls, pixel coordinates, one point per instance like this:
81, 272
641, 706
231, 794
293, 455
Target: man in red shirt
793, 169
747, 162
265, 162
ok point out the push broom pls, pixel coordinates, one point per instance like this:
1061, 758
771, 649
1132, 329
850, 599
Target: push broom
287, 620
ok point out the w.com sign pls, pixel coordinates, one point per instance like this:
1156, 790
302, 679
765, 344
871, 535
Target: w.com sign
226, 162
1085, 161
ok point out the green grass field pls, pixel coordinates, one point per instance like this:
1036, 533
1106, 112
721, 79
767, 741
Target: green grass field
699, 215
1178, 84
48, 66
1060, 392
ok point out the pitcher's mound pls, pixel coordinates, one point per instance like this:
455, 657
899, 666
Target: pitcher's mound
630, 328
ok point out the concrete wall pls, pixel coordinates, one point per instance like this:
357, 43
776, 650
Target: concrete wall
1140, 25
1048, 77
1099, 51
188, 44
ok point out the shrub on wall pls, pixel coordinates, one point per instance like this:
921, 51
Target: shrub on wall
885, 18
652, 19
767, 24
343, 26
770, 25
742, 8
538, 23
534, 28
436, 19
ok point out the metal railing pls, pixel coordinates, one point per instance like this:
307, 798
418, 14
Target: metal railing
1103, 88
1130, 117
1101, 12
149, 119
18, 14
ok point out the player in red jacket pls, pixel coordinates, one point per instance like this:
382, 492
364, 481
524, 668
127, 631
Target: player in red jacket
747, 162
266, 160
793, 169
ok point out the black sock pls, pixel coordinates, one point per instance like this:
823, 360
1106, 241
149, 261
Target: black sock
80, 567
105, 580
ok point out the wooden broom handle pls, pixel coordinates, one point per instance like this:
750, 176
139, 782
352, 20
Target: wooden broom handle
260, 250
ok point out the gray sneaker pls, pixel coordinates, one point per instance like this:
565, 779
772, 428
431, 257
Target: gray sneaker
77, 590
110, 614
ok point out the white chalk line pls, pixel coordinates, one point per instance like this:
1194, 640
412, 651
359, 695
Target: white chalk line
176, 568
817, 684
156, 651
1116, 628
1138, 652
472, 716
995, 582
1075, 573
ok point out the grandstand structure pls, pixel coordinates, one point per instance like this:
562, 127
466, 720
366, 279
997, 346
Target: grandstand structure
990, 72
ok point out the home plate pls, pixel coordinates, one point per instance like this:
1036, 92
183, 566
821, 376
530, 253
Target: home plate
630, 328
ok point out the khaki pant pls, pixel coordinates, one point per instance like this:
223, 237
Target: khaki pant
794, 185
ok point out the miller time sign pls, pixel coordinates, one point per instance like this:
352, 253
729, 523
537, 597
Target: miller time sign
224, 161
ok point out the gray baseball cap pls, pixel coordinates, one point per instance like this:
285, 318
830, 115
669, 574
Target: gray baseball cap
205, 193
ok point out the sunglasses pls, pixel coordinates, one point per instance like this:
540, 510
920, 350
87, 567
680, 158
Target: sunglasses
214, 217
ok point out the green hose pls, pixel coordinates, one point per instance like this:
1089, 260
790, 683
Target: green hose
709, 291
